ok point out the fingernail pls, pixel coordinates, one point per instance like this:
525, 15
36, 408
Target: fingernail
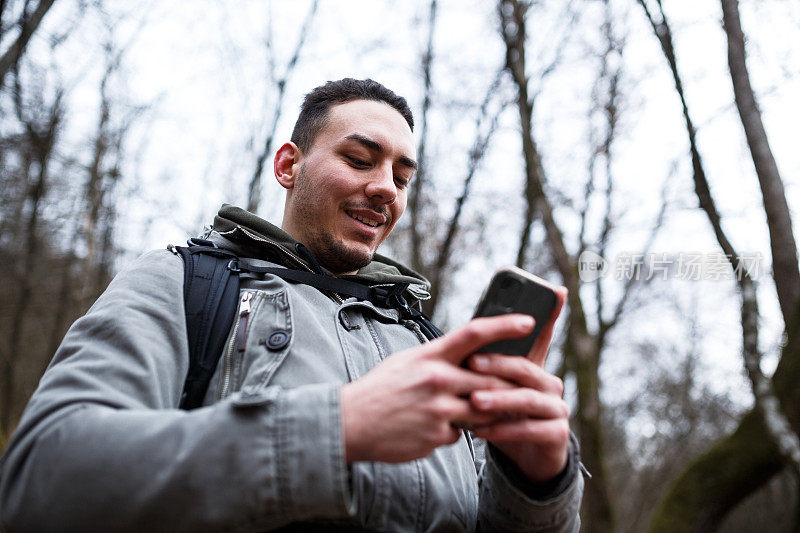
483, 399
481, 362
525, 321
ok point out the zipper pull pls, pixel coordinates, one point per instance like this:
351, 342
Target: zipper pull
244, 308
244, 311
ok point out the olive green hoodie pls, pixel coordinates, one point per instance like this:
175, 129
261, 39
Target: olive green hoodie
255, 237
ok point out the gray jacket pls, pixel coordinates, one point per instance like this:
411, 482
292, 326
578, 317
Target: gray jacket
102, 447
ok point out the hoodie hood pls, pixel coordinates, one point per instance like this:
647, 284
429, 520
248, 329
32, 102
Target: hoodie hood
254, 236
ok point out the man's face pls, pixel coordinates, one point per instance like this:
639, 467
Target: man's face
350, 188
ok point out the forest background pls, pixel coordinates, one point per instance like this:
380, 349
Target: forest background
641, 152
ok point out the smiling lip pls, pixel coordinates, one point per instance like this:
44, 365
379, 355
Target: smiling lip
367, 217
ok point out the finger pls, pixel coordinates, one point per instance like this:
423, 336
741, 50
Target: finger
541, 346
464, 382
461, 413
521, 401
540, 432
517, 369
478, 332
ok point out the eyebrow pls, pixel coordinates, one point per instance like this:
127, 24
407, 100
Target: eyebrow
376, 147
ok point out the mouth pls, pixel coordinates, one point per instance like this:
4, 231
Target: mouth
370, 218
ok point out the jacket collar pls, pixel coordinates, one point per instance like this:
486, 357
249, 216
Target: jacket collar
252, 236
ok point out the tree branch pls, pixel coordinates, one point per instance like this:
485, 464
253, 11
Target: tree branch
475, 157
254, 187
414, 198
28, 26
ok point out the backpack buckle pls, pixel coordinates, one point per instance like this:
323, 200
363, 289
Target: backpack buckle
197, 241
392, 297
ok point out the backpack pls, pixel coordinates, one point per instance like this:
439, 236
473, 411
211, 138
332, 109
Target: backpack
211, 296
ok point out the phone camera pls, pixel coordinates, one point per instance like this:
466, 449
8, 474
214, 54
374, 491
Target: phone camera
509, 291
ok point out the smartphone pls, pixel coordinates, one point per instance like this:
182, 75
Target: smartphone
513, 290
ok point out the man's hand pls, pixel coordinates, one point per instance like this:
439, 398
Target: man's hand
405, 407
535, 432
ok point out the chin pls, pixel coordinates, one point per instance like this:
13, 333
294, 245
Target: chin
356, 257
340, 257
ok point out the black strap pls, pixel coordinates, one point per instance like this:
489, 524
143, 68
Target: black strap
306, 254
211, 295
388, 297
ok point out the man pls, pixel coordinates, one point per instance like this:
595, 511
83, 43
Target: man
309, 422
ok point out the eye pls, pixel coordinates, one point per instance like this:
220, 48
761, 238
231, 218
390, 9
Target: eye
357, 162
401, 183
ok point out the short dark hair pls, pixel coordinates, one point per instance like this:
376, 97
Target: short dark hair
314, 111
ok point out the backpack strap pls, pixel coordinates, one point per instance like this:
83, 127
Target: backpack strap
388, 297
211, 295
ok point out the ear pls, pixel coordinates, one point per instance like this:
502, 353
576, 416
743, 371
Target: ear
287, 164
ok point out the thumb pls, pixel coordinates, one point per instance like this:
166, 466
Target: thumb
478, 332
541, 345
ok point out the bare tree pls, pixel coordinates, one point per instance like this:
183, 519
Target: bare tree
41, 133
254, 187
583, 345
685, 416
28, 22
61, 249
430, 236
712, 484
103, 175
581, 349
719, 479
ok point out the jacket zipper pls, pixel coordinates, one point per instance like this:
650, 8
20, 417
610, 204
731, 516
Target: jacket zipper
338, 299
238, 342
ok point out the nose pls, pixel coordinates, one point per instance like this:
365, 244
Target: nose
381, 186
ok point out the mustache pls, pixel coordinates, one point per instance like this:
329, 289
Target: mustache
378, 208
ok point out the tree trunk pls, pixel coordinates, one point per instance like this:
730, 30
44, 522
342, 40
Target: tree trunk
28, 27
714, 483
581, 348
702, 509
63, 305
779, 222
95, 193
42, 147
584, 356
415, 203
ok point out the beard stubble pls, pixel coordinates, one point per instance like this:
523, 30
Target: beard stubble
332, 253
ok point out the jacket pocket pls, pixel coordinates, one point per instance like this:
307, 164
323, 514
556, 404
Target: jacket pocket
268, 340
258, 342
